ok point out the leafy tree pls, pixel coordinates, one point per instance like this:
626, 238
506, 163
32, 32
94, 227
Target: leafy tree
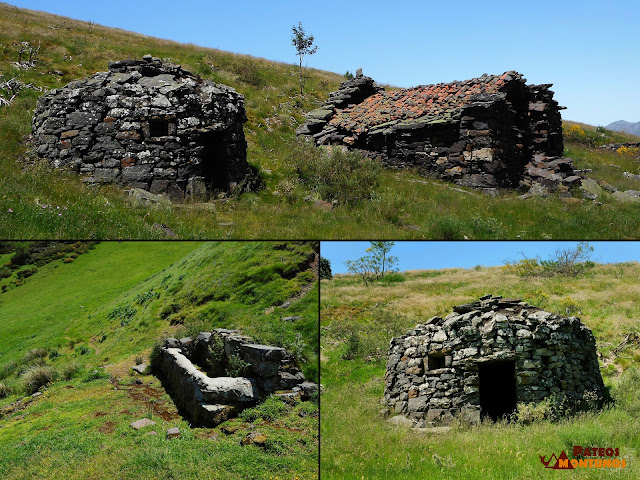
375, 264
325, 269
304, 46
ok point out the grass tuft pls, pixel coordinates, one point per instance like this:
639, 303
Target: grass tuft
37, 377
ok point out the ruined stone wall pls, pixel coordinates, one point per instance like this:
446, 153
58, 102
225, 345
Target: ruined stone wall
145, 124
481, 133
195, 370
433, 371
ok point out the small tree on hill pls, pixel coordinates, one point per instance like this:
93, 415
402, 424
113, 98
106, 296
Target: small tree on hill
304, 46
375, 264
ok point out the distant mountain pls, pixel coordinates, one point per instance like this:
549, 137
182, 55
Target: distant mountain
627, 127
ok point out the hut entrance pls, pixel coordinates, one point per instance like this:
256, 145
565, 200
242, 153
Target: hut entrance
214, 161
497, 388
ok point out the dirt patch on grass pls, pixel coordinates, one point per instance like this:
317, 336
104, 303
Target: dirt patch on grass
108, 427
100, 414
150, 397
282, 427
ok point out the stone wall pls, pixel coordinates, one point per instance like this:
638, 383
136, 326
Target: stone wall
488, 132
435, 371
145, 124
212, 397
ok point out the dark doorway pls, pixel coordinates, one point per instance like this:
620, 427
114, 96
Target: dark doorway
497, 388
214, 162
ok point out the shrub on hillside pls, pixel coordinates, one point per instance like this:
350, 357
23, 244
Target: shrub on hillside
5, 390
27, 271
343, 176
81, 350
271, 409
324, 269
551, 408
570, 262
34, 354
591, 138
96, 375
38, 376
236, 367
21, 255
69, 371
155, 356
8, 369
124, 313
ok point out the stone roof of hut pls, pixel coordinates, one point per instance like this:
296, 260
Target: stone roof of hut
431, 103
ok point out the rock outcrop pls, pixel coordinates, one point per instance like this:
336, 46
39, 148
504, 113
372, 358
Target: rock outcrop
146, 124
487, 356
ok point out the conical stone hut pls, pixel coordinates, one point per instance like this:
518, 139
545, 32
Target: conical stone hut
485, 358
145, 124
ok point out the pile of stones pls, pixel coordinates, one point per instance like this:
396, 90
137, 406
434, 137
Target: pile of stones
434, 372
146, 124
212, 397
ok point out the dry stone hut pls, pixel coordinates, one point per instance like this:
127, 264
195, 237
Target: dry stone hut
210, 398
487, 356
487, 132
145, 124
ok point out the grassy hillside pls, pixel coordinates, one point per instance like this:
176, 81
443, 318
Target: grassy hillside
89, 320
357, 322
404, 205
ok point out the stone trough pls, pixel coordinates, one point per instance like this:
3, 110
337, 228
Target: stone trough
195, 373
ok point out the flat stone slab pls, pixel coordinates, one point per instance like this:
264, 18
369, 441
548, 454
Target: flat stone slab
400, 421
144, 422
140, 368
173, 432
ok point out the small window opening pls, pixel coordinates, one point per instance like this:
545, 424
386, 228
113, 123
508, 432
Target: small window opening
158, 128
435, 361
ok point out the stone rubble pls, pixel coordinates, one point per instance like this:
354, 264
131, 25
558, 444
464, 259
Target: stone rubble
145, 124
489, 132
433, 375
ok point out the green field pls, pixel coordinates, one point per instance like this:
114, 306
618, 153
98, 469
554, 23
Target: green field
357, 322
91, 313
401, 205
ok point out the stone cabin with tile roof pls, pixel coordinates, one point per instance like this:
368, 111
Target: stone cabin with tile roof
145, 124
488, 132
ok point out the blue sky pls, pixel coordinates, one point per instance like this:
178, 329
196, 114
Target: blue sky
588, 49
437, 255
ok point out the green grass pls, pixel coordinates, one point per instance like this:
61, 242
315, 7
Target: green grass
103, 312
357, 441
404, 205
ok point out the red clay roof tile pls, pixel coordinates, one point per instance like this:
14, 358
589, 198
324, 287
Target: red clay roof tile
425, 101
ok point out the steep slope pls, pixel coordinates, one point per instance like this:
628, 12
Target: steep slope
401, 205
72, 330
626, 127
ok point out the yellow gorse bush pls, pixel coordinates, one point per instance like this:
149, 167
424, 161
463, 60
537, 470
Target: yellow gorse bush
628, 151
